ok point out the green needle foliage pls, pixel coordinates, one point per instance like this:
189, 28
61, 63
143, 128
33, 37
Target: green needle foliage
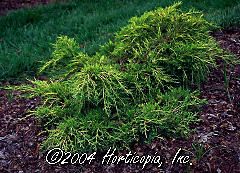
66, 58
171, 117
179, 42
133, 89
101, 85
25, 34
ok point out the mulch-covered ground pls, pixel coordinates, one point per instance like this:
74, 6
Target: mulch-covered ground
215, 145
6, 5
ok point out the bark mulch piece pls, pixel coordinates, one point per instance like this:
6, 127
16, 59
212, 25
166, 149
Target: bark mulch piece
214, 147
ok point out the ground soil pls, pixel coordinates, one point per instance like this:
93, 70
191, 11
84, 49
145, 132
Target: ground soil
214, 146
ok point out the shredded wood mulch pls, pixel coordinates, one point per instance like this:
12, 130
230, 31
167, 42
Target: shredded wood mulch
7, 5
214, 147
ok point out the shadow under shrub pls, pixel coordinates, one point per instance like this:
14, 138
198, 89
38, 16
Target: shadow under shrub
133, 89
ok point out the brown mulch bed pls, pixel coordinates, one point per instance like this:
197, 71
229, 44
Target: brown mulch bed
216, 140
6, 5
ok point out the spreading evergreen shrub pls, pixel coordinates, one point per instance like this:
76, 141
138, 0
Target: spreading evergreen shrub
132, 89
169, 38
